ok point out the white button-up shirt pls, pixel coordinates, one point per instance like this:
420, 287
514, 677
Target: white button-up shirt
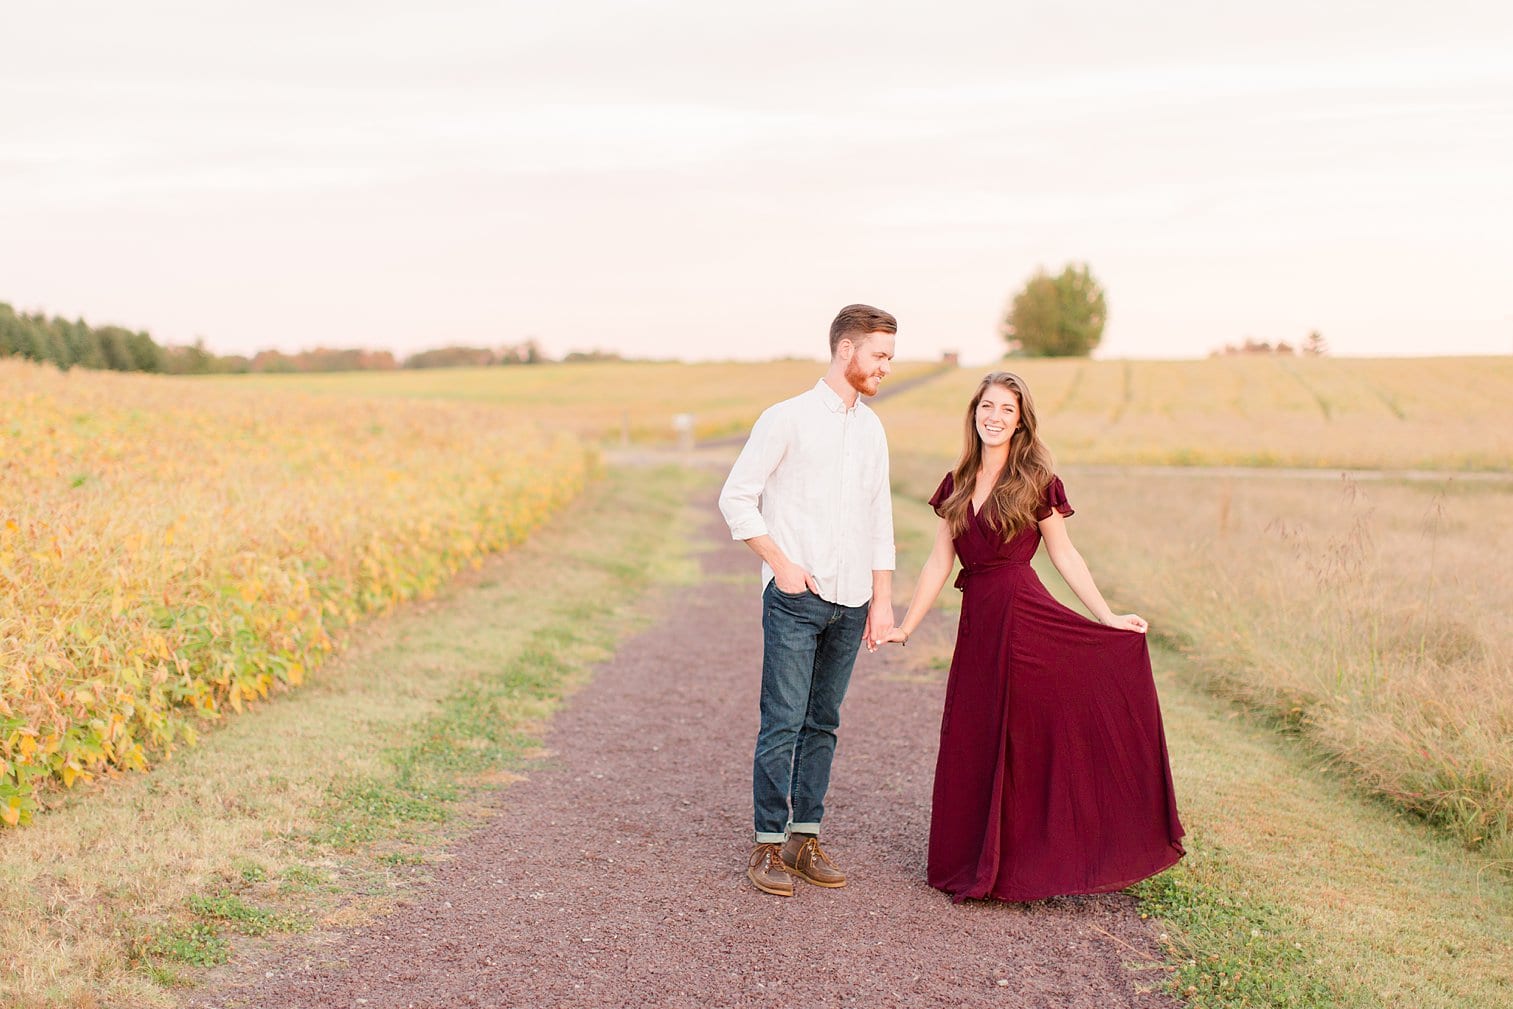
814, 477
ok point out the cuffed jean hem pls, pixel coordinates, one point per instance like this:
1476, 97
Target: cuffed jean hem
768, 837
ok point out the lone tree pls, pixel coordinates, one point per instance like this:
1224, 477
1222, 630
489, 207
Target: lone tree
1059, 316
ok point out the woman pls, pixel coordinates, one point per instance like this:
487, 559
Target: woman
1052, 776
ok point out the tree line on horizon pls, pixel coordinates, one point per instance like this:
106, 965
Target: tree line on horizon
1060, 315
1314, 346
76, 344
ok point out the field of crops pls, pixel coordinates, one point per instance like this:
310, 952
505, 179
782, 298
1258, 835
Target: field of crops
597, 401
1424, 413
170, 550
173, 548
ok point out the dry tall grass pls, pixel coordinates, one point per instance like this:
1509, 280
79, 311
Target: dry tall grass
1426, 413
170, 547
1372, 616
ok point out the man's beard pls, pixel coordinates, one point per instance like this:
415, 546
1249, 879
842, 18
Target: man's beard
861, 381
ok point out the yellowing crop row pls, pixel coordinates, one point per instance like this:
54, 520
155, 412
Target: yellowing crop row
169, 549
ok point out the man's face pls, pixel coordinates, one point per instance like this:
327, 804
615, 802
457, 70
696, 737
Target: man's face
871, 361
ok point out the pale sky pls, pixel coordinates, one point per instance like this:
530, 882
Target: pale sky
696, 180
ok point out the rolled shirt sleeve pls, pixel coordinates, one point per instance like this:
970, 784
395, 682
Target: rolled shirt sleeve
740, 497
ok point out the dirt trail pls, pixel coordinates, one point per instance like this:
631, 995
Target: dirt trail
616, 875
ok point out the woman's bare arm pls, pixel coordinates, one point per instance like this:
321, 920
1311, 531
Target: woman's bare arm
1058, 545
932, 578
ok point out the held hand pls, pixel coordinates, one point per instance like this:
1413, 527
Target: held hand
879, 625
1128, 622
872, 638
895, 636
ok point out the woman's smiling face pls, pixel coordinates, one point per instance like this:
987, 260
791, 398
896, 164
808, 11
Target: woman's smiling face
997, 416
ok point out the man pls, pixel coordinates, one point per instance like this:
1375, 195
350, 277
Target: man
810, 496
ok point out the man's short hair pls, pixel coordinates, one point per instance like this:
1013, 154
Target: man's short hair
856, 321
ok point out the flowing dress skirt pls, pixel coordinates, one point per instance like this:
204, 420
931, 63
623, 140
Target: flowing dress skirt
1052, 776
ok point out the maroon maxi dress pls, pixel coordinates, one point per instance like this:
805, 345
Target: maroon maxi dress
1052, 776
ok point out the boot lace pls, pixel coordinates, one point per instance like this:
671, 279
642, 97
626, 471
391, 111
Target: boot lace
812, 846
769, 857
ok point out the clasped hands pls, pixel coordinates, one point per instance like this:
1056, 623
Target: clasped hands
880, 629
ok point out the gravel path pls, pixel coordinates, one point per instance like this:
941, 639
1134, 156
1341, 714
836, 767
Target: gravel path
616, 875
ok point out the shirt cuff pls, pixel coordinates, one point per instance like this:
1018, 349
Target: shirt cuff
750, 528
884, 558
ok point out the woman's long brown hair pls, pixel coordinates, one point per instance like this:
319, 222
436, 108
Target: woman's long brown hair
1020, 490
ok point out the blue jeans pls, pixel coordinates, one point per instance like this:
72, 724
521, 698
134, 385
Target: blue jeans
808, 648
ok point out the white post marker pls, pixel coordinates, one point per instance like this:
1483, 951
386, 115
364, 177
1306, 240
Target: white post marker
683, 424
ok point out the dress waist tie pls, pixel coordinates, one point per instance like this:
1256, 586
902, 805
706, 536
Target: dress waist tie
982, 569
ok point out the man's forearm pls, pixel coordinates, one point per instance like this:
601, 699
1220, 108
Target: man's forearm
765, 547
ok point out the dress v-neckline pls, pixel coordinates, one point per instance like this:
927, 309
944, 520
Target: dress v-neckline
974, 515
973, 507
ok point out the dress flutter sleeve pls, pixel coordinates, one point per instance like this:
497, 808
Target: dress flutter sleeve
942, 492
1055, 498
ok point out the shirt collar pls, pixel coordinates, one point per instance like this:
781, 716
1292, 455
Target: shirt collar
832, 399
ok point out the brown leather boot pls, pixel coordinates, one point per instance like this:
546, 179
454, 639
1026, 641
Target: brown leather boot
766, 871
803, 856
